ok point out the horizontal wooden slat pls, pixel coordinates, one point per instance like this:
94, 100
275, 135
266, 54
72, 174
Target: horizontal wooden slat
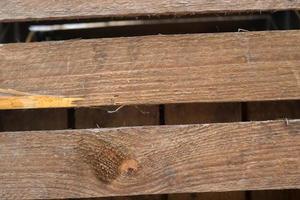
253, 66
17, 10
150, 160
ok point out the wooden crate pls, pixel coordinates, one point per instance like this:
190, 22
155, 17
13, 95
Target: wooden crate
176, 116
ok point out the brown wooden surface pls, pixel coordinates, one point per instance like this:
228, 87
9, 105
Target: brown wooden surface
270, 111
151, 70
12, 10
27, 120
126, 116
198, 114
144, 160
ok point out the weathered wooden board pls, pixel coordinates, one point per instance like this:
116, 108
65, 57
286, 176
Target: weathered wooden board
17, 10
151, 70
270, 111
199, 113
150, 160
125, 116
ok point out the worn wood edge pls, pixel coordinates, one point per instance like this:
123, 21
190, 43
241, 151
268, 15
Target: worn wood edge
142, 14
288, 130
117, 14
141, 38
14, 99
285, 121
23, 100
52, 102
30, 102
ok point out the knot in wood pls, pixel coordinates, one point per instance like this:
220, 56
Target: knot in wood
107, 160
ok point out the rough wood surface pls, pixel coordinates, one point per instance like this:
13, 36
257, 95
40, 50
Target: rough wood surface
125, 116
198, 114
17, 10
150, 160
151, 70
272, 111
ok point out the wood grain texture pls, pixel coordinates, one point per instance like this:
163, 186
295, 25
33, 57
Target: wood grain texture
199, 114
150, 160
152, 70
126, 116
20, 10
271, 111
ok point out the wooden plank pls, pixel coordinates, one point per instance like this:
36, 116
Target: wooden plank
151, 70
198, 114
119, 117
20, 10
269, 111
150, 160
28, 120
